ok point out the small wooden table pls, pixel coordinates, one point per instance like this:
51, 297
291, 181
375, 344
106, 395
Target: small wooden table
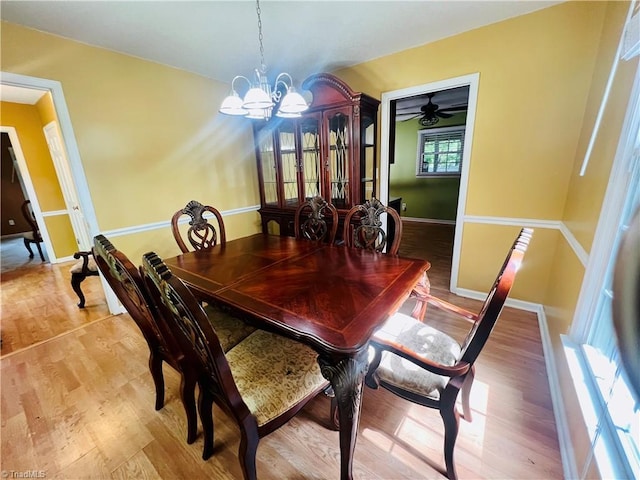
328, 297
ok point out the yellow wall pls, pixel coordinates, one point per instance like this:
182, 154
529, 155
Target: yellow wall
149, 136
585, 194
535, 75
46, 109
27, 121
535, 71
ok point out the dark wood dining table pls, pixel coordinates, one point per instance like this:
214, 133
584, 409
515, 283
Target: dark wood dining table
331, 298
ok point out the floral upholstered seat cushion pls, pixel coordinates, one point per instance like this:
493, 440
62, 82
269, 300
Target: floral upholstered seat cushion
273, 373
230, 330
426, 342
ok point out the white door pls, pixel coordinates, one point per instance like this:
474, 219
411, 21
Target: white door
61, 164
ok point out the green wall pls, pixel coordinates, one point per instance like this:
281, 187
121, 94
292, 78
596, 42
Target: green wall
431, 198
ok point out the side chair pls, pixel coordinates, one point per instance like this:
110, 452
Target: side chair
32, 236
261, 383
363, 227
201, 234
424, 365
128, 285
310, 220
126, 282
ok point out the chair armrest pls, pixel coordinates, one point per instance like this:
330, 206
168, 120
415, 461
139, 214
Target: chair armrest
85, 262
459, 368
449, 307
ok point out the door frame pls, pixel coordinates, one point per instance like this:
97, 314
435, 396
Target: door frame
29, 190
74, 162
472, 81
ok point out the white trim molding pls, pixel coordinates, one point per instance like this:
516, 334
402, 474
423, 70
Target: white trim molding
575, 245
118, 232
55, 213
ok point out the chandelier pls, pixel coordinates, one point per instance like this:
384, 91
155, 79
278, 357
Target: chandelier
261, 99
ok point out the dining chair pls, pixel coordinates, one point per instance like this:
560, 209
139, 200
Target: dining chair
261, 383
201, 234
310, 221
127, 283
32, 236
363, 227
426, 366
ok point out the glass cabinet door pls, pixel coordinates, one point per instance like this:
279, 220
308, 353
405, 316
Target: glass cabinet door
289, 161
339, 136
368, 164
268, 167
311, 160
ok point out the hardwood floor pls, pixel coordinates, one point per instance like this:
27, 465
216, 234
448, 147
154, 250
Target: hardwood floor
37, 300
80, 405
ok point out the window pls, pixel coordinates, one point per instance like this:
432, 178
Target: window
610, 411
440, 151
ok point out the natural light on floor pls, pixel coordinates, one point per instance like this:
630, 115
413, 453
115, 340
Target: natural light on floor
412, 435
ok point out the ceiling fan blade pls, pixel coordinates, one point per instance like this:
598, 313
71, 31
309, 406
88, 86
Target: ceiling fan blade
460, 108
416, 115
442, 114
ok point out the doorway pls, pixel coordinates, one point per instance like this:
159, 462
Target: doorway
409, 102
74, 165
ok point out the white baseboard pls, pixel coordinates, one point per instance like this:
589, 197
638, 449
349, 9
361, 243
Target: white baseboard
428, 220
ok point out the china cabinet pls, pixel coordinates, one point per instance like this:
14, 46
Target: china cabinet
329, 151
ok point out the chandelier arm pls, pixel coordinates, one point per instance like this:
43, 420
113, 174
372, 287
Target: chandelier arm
279, 80
236, 78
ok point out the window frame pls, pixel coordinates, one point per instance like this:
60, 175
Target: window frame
422, 135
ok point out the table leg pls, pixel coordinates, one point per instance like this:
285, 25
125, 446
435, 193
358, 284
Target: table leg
347, 379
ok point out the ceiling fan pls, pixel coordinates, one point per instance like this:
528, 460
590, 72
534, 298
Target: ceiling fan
430, 113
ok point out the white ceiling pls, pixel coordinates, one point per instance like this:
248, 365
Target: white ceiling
13, 94
219, 39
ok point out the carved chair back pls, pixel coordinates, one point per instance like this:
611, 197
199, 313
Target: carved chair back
201, 234
125, 281
311, 220
495, 300
363, 227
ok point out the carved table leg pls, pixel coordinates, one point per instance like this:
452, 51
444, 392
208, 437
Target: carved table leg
347, 377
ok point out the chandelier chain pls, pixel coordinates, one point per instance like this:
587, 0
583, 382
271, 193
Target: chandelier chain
260, 37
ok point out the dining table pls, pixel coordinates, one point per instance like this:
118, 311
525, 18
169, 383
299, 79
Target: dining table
329, 297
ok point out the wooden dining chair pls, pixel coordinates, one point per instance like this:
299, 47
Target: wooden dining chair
422, 364
363, 227
201, 234
33, 236
261, 383
127, 283
310, 221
